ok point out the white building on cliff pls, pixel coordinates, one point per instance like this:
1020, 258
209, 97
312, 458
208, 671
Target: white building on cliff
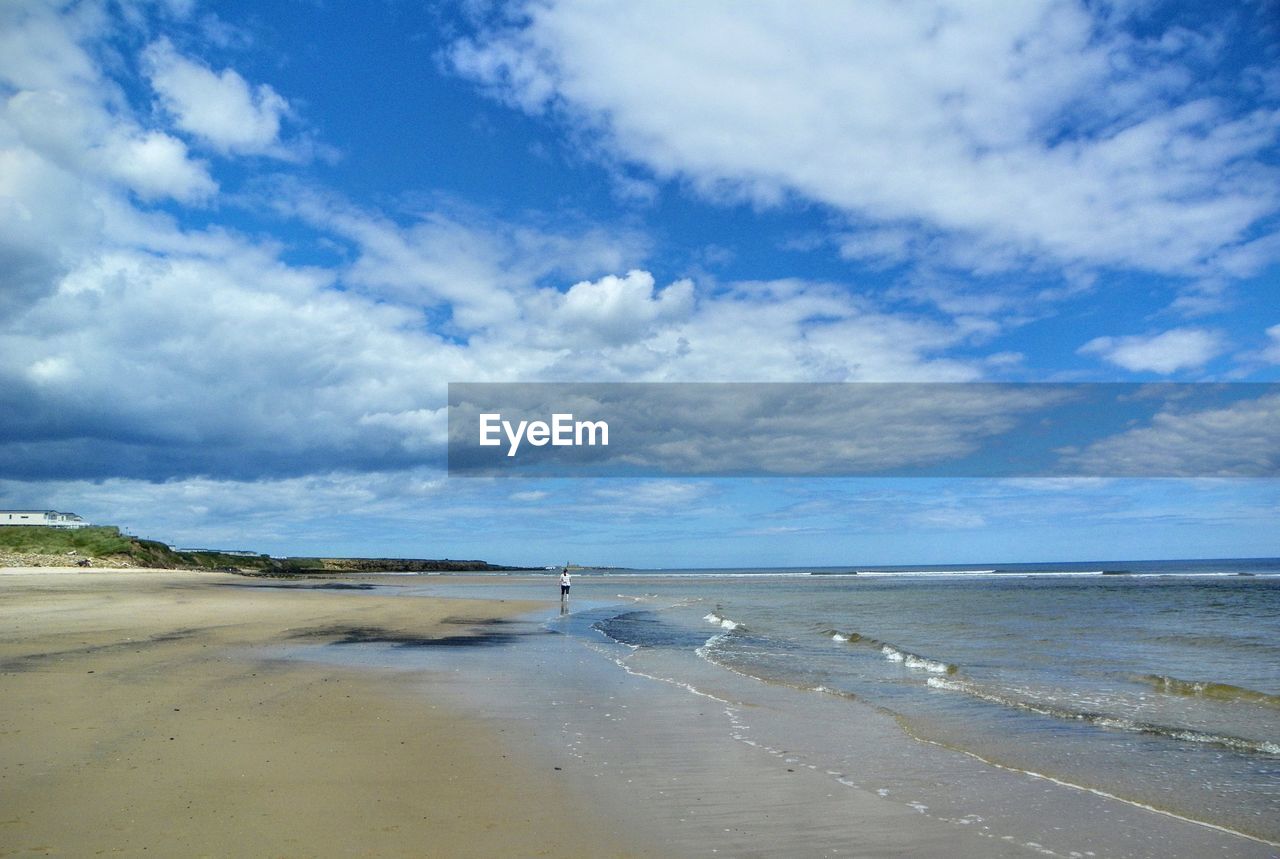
46, 518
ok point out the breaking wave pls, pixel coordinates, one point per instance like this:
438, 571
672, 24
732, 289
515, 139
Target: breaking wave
1209, 689
893, 653
722, 622
913, 661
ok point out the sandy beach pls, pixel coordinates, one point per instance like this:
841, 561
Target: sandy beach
153, 712
142, 715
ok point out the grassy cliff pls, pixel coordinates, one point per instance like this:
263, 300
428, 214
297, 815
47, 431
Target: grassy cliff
90, 542
105, 546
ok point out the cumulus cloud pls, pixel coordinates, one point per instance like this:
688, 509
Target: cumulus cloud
797, 330
479, 267
135, 346
156, 366
185, 361
1164, 353
40, 49
177, 354
514, 292
83, 138
612, 310
1048, 129
155, 164
194, 368
69, 149
144, 349
43, 222
219, 108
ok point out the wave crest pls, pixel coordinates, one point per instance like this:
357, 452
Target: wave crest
1102, 720
893, 653
722, 622
1209, 689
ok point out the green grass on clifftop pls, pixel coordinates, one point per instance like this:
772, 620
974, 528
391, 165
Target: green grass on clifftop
105, 542
96, 542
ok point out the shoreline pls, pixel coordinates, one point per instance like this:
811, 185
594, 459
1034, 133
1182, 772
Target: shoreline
144, 711
175, 712
663, 732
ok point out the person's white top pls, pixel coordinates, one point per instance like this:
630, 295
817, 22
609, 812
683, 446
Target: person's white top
564, 579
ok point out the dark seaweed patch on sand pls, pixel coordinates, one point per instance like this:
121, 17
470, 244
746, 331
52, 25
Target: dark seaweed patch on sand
34, 661
323, 586
341, 634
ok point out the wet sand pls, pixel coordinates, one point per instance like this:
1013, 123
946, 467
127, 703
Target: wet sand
722, 764
143, 713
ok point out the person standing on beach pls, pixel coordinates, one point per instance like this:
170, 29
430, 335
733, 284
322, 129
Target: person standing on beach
564, 583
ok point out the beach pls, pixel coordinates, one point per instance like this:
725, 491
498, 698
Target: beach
183, 713
141, 715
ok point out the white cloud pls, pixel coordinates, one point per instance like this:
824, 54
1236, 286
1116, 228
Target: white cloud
1241, 439
1202, 298
1033, 128
504, 286
950, 518
208, 363
83, 138
611, 311
1272, 353
132, 346
70, 148
40, 48
156, 165
1164, 353
785, 330
479, 267
646, 496
881, 246
75, 128
1058, 484
44, 220
220, 108
214, 357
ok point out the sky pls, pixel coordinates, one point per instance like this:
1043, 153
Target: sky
245, 247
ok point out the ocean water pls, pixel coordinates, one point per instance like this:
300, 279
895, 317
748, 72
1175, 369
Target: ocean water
971, 712
1159, 686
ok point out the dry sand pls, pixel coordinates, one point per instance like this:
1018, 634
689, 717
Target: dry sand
141, 714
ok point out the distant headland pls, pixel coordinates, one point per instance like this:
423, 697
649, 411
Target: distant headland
106, 546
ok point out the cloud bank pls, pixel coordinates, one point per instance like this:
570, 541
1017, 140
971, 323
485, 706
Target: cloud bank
197, 300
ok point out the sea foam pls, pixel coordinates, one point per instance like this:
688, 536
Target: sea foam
722, 622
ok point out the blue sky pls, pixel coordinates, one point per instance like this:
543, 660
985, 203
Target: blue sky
244, 248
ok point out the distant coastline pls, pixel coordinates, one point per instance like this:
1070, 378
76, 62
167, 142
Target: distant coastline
106, 546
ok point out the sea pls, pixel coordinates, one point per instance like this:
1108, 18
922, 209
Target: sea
1079, 709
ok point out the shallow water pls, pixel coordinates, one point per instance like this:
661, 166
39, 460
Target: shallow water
1052, 714
1163, 690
